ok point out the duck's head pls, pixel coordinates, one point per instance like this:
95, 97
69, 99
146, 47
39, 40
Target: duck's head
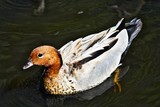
46, 56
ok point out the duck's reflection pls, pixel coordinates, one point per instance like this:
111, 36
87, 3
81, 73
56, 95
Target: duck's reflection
40, 7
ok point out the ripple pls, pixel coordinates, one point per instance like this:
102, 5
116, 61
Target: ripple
19, 3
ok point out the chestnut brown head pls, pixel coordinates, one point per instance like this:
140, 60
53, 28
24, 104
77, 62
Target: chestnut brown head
43, 55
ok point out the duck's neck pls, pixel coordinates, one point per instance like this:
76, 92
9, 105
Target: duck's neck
53, 70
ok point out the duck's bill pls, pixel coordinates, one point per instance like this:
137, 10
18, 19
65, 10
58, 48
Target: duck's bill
29, 64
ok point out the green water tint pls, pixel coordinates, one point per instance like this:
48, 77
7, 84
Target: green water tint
62, 21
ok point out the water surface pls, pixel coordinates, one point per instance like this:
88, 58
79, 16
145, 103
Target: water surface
65, 20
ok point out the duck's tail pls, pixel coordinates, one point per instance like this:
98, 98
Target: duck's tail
133, 28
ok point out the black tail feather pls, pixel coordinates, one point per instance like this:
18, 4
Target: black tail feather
133, 28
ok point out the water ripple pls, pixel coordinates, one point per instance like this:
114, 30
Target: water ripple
18, 3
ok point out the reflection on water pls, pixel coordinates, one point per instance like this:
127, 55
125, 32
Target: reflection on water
62, 21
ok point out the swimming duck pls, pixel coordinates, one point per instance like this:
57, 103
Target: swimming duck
86, 62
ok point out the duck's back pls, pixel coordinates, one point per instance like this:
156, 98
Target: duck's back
93, 59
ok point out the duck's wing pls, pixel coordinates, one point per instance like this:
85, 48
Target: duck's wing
76, 49
83, 50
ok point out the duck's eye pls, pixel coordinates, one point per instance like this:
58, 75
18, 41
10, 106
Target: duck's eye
40, 55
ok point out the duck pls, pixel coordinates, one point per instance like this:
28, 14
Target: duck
86, 62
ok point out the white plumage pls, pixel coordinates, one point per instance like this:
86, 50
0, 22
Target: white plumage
90, 60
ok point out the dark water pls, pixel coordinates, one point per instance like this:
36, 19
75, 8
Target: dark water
64, 20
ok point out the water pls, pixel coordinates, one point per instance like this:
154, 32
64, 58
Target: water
21, 31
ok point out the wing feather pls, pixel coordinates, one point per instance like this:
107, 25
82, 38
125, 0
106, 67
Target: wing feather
89, 47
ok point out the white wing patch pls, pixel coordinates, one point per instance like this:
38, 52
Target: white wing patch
86, 47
